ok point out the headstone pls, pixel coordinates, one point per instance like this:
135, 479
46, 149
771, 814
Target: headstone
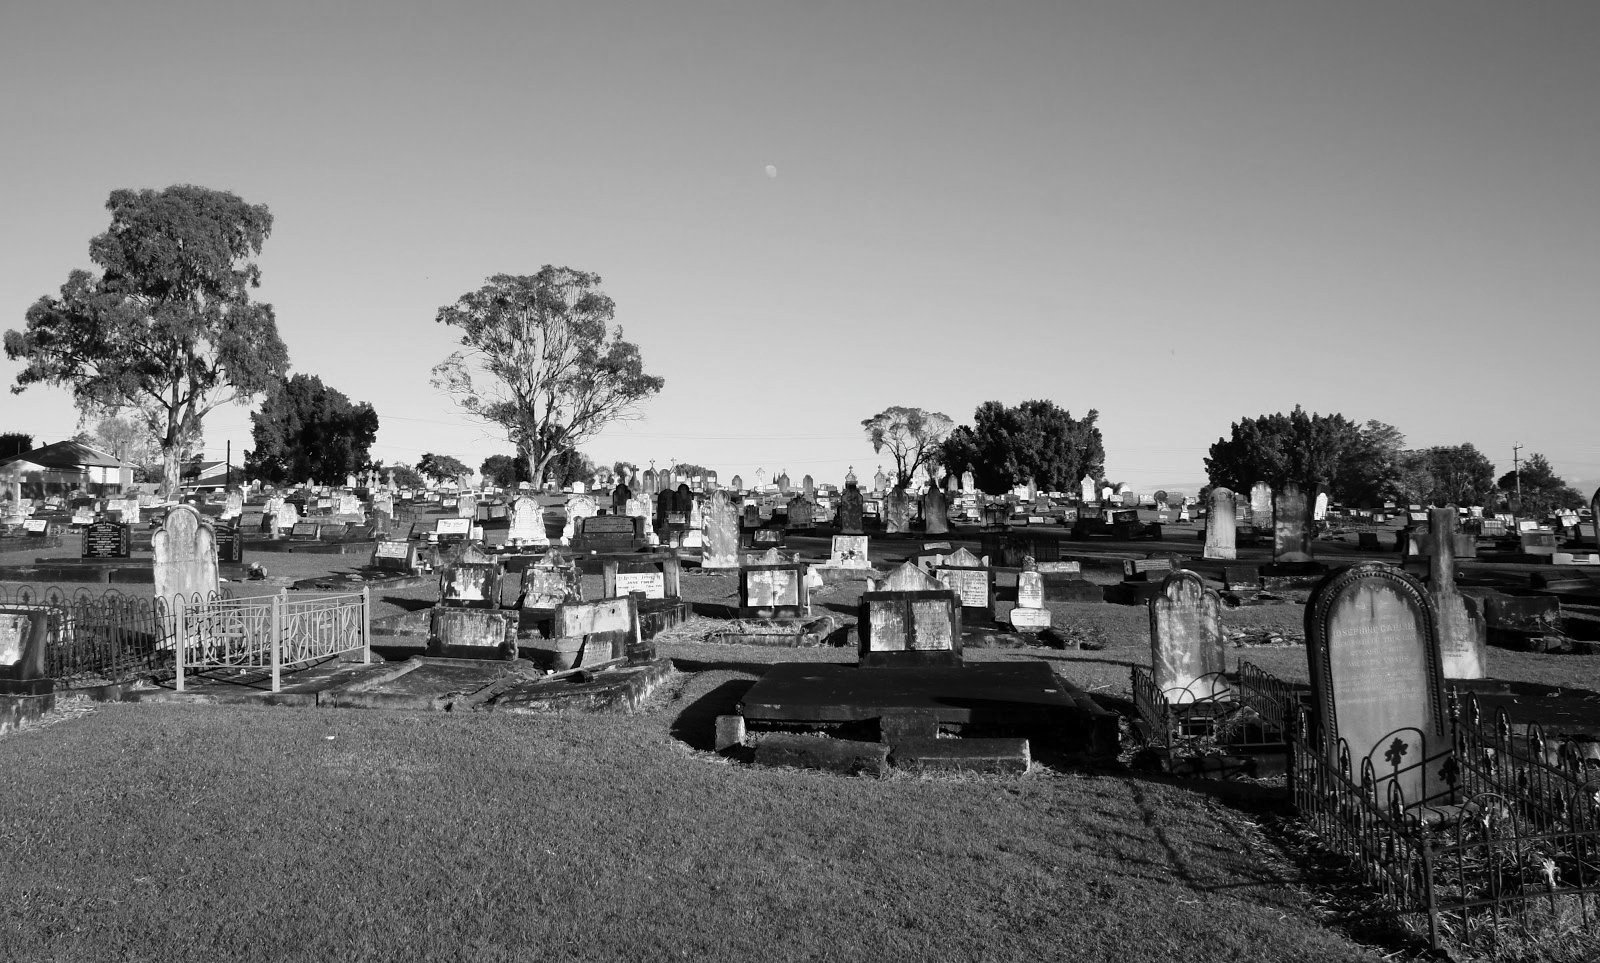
935, 512
1261, 506
609, 629
1463, 635
721, 533
621, 497
383, 504
106, 540
394, 555
774, 590
1372, 644
185, 548
782, 481
808, 486
24, 650
233, 504
550, 582
897, 513
579, 506
908, 628
1291, 535
969, 577
471, 581
346, 503
527, 523
288, 517
1187, 656
737, 484
466, 507
1221, 521
849, 551
1029, 614
851, 510
879, 480
908, 577
801, 514
653, 578
1320, 511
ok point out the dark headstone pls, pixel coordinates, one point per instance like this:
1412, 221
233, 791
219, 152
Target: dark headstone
909, 628
935, 511
106, 540
851, 510
1291, 526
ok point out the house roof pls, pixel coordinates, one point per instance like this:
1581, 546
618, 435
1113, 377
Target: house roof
66, 455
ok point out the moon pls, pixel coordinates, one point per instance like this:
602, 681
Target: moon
772, 171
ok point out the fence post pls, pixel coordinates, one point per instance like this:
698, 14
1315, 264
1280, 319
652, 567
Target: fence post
177, 636
366, 625
276, 639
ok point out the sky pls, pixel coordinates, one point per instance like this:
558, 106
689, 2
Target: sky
1177, 213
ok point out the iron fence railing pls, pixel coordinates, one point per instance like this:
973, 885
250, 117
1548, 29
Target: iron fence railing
269, 634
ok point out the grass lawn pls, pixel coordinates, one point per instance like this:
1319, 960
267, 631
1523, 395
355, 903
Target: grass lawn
247, 833
170, 832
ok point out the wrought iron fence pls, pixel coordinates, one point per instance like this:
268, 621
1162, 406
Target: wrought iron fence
1273, 699
1512, 854
269, 634
1195, 711
111, 635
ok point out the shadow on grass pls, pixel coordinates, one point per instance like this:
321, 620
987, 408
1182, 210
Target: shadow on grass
715, 610
696, 725
406, 604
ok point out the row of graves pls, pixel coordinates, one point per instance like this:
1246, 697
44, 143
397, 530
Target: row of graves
1470, 805
910, 701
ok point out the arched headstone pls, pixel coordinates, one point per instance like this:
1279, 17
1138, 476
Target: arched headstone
1261, 506
1291, 530
578, 506
935, 512
185, 548
1187, 655
852, 506
1372, 644
721, 521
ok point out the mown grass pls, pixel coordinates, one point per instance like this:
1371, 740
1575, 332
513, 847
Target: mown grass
247, 833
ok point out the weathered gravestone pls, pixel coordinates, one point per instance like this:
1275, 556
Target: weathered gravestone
849, 551
851, 509
466, 507
621, 496
550, 582
24, 642
1291, 531
527, 523
471, 580
233, 505
721, 533
185, 548
346, 503
1221, 521
897, 512
1463, 635
288, 517
935, 511
1261, 506
597, 634
1029, 614
579, 506
774, 589
609, 533
1085, 490
969, 577
909, 627
1187, 657
808, 486
651, 577
800, 514
1372, 644
394, 555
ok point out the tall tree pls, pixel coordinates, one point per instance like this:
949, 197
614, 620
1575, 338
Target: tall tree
307, 430
538, 359
1371, 466
912, 437
15, 443
168, 328
1305, 449
1542, 489
442, 468
1034, 441
1445, 475
502, 471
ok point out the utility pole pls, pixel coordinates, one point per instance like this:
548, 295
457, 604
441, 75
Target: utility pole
1516, 469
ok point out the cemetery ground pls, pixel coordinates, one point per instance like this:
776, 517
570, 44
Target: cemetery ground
219, 831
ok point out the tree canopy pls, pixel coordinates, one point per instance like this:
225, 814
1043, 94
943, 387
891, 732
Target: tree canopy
15, 443
1034, 441
442, 468
1308, 450
538, 359
308, 430
1445, 475
912, 437
1542, 489
168, 329
502, 471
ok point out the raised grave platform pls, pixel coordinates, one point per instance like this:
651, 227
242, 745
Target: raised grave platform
983, 699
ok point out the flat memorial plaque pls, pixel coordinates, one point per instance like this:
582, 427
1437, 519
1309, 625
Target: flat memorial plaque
652, 584
106, 540
970, 585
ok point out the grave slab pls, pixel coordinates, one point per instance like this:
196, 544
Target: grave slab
1004, 756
